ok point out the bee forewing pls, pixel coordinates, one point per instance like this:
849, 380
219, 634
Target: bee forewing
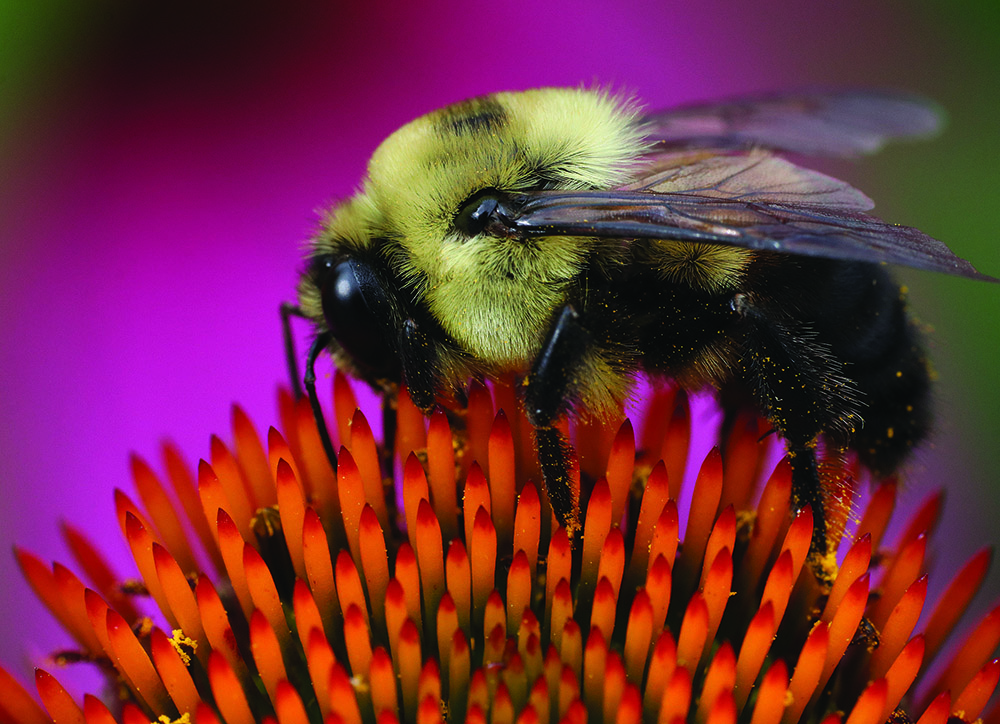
753, 176
765, 225
846, 123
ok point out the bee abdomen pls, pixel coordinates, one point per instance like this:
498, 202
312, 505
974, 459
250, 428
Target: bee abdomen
883, 353
896, 390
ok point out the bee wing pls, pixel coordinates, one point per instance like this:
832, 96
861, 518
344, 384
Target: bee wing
844, 123
747, 176
789, 228
751, 200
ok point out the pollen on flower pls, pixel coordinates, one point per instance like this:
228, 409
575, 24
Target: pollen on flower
184, 718
426, 579
179, 642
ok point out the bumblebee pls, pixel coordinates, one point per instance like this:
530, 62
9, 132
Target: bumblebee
567, 238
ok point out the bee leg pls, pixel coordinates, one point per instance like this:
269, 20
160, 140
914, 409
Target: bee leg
388, 449
798, 384
555, 456
548, 393
287, 311
807, 490
318, 345
419, 360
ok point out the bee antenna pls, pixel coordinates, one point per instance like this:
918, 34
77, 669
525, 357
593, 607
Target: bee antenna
318, 345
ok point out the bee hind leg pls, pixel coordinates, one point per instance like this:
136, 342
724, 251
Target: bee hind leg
799, 385
807, 490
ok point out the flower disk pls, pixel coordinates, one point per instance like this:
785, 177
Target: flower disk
271, 589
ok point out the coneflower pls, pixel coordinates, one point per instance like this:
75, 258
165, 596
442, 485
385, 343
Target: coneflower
286, 593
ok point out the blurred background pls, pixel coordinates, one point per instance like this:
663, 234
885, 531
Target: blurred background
162, 162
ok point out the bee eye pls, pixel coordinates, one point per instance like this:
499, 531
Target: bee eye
356, 312
477, 212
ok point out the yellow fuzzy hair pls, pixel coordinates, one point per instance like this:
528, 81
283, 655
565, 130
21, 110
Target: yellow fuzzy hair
494, 296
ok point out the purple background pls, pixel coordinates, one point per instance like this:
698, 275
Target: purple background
163, 165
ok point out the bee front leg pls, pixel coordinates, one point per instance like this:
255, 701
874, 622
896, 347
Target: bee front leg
318, 345
287, 310
548, 394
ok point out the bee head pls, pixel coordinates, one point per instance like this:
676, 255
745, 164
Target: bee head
358, 313
344, 290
